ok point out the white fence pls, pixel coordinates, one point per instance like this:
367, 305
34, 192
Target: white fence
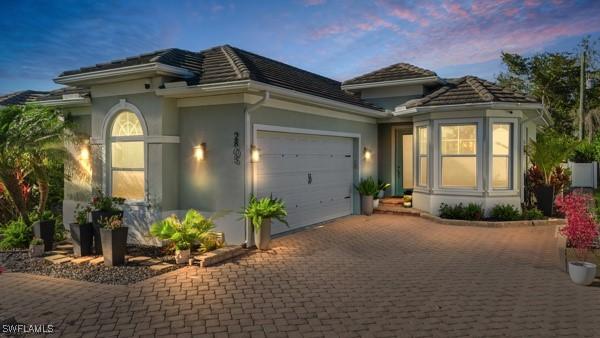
584, 175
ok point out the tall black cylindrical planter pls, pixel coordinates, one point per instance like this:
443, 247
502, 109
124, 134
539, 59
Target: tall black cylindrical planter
114, 245
544, 195
45, 231
83, 239
97, 217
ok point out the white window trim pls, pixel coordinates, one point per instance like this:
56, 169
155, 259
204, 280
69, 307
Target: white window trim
514, 157
437, 168
107, 124
416, 160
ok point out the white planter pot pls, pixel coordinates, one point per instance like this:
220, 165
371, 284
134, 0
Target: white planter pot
376, 203
262, 236
182, 256
582, 273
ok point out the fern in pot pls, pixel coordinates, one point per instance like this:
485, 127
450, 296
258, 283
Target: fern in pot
183, 233
260, 213
367, 188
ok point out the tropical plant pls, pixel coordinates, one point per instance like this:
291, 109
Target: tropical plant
470, 212
15, 234
532, 214
82, 213
581, 229
265, 208
584, 152
102, 202
30, 137
210, 242
36, 241
367, 187
549, 150
111, 223
505, 212
183, 233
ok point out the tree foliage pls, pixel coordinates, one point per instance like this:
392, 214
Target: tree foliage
554, 79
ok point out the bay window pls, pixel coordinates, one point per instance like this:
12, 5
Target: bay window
422, 158
127, 165
459, 156
501, 155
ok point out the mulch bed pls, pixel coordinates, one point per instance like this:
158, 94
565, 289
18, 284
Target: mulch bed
19, 261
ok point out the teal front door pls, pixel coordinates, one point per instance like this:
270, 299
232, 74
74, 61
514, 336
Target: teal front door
403, 161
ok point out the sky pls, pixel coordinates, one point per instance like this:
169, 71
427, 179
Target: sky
338, 39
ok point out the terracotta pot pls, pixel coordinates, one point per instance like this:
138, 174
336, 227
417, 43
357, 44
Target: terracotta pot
262, 236
182, 256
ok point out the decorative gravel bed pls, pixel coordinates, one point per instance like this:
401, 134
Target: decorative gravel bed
132, 272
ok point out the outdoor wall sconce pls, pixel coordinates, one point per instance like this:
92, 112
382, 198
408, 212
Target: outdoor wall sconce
84, 154
367, 154
254, 154
200, 152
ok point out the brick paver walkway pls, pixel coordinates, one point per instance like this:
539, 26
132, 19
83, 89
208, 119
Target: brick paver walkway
378, 276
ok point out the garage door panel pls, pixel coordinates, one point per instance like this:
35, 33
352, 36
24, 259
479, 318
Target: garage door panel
312, 174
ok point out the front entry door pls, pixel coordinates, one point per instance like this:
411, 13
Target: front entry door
403, 144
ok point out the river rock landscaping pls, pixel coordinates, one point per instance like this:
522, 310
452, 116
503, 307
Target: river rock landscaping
142, 263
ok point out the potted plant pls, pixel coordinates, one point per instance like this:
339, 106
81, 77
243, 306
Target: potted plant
407, 198
381, 188
114, 240
367, 189
581, 232
104, 207
259, 213
36, 247
546, 153
43, 228
82, 232
183, 233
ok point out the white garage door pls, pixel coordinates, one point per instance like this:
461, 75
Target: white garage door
313, 175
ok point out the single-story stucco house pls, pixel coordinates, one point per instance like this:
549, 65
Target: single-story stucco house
173, 129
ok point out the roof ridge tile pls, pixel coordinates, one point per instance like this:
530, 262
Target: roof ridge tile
479, 87
236, 62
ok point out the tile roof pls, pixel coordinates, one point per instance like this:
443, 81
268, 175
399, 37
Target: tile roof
57, 94
227, 63
469, 89
398, 71
21, 97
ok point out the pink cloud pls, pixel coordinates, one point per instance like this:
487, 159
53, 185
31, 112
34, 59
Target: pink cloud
408, 15
455, 9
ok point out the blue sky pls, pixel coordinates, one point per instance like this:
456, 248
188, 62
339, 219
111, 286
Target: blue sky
339, 39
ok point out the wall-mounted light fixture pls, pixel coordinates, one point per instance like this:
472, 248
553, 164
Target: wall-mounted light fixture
200, 152
254, 154
84, 154
367, 154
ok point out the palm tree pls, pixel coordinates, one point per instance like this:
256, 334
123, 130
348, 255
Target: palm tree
30, 137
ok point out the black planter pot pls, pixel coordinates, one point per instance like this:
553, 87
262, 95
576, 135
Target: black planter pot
83, 239
544, 196
97, 217
45, 231
114, 245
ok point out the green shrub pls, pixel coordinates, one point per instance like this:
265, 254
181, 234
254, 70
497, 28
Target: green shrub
531, 214
267, 208
183, 233
584, 152
505, 212
367, 187
471, 212
16, 235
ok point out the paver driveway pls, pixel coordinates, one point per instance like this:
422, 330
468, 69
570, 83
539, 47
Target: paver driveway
382, 275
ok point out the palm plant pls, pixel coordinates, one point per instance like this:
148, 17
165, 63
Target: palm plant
30, 138
367, 187
549, 150
265, 208
183, 233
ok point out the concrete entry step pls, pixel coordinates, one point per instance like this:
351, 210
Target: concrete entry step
396, 210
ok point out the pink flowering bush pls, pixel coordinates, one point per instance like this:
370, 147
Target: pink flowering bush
581, 229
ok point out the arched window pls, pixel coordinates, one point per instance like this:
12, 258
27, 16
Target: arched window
127, 164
